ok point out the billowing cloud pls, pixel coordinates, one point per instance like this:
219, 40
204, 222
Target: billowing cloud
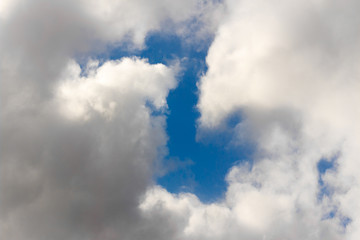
79, 141
290, 69
40, 36
78, 144
75, 166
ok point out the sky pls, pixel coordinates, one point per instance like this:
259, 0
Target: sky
181, 120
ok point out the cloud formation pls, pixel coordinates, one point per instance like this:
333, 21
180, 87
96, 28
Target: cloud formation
79, 142
290, 68
75, 167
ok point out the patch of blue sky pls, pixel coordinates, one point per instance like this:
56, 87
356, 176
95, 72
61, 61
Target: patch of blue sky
197, 166
328, 164
325, 165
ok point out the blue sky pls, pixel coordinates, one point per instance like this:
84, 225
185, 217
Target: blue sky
203, 163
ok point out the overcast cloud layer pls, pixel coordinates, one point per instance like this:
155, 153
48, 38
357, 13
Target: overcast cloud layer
80, 139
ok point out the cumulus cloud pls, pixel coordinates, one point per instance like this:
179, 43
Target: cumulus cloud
39, 36
75, 167
290, 68
79, 142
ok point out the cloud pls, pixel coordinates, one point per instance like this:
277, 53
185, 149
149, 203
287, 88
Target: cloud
39, 37
80, 142
290, 69
75, 167
109, 21
113, 85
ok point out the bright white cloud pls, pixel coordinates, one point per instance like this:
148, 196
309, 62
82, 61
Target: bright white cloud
290, 69
110, 86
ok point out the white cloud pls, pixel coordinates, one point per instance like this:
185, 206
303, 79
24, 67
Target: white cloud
290, 68
113, 84
136, 18
75, 166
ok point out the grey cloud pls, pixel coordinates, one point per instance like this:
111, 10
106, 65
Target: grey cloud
40, 36
81, 179
78, 152
77, 155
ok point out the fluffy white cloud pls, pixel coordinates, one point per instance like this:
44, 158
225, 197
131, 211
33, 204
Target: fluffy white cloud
290, 68
75, 166
113, 85
252, 213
